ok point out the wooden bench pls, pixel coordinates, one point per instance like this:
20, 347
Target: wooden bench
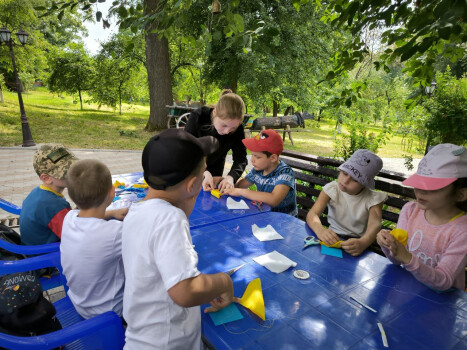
313, 172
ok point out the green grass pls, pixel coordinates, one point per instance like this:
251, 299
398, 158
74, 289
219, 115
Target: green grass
57, 119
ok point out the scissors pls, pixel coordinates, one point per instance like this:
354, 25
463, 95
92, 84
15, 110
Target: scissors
235, 269
310, 240
258, 204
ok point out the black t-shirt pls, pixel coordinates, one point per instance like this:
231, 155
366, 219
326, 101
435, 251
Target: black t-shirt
199, 124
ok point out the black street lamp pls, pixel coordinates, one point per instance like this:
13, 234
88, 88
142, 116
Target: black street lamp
6, 39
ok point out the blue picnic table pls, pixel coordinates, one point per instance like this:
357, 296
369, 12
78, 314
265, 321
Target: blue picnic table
321, 312
207, 210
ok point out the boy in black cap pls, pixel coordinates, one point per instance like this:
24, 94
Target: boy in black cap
163, 287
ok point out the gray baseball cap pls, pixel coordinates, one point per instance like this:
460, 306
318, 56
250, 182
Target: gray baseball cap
53, 159
363, 166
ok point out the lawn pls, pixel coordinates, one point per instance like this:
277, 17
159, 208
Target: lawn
55, 118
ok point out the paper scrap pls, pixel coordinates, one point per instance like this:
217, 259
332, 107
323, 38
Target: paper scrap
331, 251
228, 314
275, 262
232, 204
267, 233
253, 299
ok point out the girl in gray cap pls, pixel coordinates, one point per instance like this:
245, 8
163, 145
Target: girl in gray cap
354, 208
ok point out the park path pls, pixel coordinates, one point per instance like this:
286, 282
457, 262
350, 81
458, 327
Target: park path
19, 178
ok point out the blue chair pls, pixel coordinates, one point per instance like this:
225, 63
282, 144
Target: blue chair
101, 332
9, 207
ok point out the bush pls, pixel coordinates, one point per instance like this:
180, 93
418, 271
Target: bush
447, 110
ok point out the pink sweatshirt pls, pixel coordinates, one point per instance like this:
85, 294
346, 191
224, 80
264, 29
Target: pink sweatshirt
439, 252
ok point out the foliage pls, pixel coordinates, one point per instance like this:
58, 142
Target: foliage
413, 30
72, 71
447, 110
116, 63
27, 79
358, 137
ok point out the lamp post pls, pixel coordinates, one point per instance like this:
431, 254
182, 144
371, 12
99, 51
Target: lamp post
6, 39
429, 91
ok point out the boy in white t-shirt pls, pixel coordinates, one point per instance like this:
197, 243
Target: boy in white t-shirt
354, 209
91, 247
163, 288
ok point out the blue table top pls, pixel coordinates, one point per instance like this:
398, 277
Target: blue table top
208, 209
319, 312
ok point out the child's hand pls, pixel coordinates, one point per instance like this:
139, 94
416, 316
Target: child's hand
226, 183
354, 246
220, 302
234, 192
118, 214
328, 236
397, 250
208, 182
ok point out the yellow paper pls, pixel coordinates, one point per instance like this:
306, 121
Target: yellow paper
335, 245
216, 193
401, 235
145, 185
118, 183
253, 299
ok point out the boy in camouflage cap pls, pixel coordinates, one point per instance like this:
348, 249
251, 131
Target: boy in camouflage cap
45, 207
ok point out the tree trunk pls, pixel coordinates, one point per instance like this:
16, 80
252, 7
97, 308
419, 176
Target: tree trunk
275, 108
159, 79
120, 96
1, 96
80, 99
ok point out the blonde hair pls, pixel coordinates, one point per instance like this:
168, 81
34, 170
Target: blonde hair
230, 106
89, 182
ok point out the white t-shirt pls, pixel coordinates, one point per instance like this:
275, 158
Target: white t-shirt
157, 254
348, 214
91, 257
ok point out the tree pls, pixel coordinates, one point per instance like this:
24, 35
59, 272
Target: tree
447, 109
72, 71
115, 64
414, 31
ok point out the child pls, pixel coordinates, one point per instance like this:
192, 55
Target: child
45, 207
436, 250
354, 209
163, 286
91, 247
274, 180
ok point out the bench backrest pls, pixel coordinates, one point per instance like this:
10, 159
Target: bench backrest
313, 172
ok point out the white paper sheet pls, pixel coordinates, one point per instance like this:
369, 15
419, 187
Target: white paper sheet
275, 262
267, 233
232, 204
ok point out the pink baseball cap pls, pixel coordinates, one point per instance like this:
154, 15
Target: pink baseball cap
267, 140
444, 164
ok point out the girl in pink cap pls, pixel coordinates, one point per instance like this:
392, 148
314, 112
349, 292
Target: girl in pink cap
436, 249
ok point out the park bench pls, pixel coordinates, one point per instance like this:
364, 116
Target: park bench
313, 172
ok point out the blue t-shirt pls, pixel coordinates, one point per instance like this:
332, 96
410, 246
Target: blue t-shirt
282, 175
41, 217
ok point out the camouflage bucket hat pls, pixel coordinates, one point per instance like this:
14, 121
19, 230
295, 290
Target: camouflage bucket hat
53, 159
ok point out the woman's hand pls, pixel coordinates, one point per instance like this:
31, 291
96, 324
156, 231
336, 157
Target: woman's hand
208, 182
226, 183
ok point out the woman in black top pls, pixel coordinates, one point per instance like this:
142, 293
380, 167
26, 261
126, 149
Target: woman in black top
224, 122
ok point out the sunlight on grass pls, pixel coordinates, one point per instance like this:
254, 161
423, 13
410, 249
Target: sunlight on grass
54, 118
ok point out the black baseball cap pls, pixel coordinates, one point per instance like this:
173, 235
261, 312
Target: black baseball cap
169, 157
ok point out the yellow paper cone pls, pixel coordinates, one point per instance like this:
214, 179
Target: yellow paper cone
253, 299
401, 235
